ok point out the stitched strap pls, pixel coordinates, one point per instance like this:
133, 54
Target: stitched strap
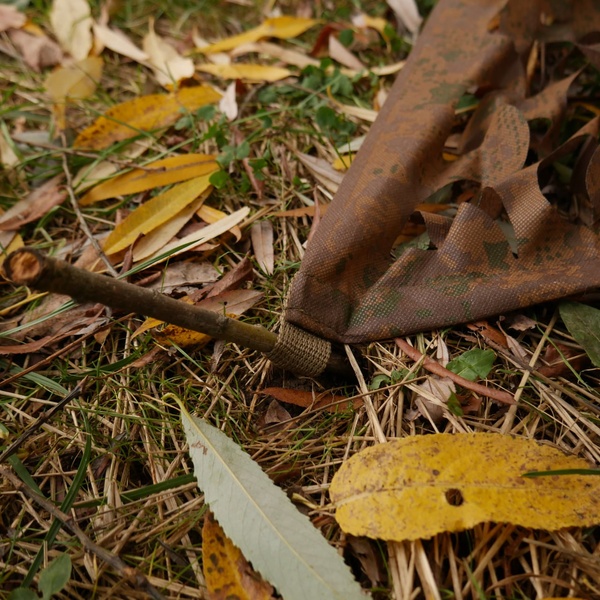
299, 351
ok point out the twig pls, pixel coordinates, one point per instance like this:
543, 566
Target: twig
43, 418
435, 367
82, 221
130, 574
31, 268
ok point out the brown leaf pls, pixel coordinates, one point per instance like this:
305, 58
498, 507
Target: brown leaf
10, 17
38, 51
325, 400
563, 361
35, 205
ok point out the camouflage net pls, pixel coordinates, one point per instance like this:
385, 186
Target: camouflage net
510, 245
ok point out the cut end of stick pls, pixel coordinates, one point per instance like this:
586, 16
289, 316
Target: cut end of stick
23, 266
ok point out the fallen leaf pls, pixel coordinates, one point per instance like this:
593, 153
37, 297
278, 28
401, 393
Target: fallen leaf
35, 205
290, 57
279, 27
38, 51
155, 240
154, 213
76, 81
210, 214
187, 243
145, 113
473, 364
246, 72
432, 396
279, 541
241, 273
71, 22
226, 571
97, 172
341, 54
261, 234
275, 415
168, 65
166, 171
183, 274
117, 41
327, 400
407, 13
419, 486
583, 323
323, 172
10, 17
228, 103
562, 361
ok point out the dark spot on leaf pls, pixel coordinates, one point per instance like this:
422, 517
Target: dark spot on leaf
454, 497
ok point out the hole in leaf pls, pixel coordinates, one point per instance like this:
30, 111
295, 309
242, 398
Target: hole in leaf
454, 497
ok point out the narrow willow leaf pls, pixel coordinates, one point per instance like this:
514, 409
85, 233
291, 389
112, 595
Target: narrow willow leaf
259, 518
583, 323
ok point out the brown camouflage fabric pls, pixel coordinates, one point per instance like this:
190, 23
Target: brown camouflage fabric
513, 244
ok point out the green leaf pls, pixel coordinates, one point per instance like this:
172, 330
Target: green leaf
583, 323
23, 594
473, 364
219, 179
55, 576
258, 517
378, 381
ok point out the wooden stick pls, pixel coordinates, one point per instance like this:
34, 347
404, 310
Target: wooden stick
29, 267
131, 574
435, 367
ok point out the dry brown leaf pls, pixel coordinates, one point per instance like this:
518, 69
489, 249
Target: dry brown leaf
290, 57
34, 205
117, 41
168, 65
71, 22
315, 401
38, 50
184, 274
10, 17
239, 274
261, 234
407, 13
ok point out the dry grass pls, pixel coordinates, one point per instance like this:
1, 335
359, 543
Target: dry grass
118, 451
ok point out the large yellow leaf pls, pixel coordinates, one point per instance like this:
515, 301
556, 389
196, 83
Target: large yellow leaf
154, 213
278, 27
145, 113
155, 174
419, 486
246, 71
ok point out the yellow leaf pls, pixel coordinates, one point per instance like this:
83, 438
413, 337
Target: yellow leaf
154, 213
279, 27
211, 215
156, 240
226, 571
419, 486
343, 162
155, 174
246, 71
76, 81
145, 113
168, 65
71, 21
